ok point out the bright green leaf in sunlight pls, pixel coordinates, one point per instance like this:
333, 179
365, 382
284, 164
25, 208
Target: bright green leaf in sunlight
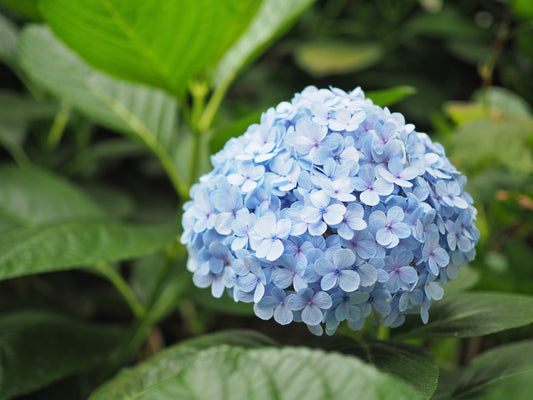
523, 8
476, 314
497, 367
38, 348
147, 114
266, 373
164, 44
412, 364
335, 57
387, 97
510, 104
171, 361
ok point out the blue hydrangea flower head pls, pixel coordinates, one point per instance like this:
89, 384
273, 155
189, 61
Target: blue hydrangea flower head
329, 209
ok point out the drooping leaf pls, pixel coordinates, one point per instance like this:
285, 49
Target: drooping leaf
273, 18
272, 373
38, 348
328, 58
412, 364
387, 97
33, 196
76, 243
476, 314
170, 362
494, 368
147, 114
164, 44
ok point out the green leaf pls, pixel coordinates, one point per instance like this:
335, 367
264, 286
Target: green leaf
33, 196
169, 362
273, 18
272, 373
476, 314
466, 279
28, 8
412, 364
141, 112
8, 40
494, 368
38, 348
164, 44
509, 103
335, 57
387, 97
447, 24
523, 8
76, 243
489, 137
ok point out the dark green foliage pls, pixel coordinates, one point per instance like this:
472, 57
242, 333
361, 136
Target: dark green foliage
109, 111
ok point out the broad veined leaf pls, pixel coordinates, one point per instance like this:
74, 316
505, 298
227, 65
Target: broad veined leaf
76, 243
328, 58
273, 373
476, 314
147, 114
495, 367
164, 44
169, 362
387, 97
273, 18
33, 196
38, 348
412, 364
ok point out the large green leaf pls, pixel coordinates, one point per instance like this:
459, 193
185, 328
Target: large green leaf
495, 367
335, 57
271, 373
75, 243
412, 364
273, 18
38, 348
147, 114
170, 362
477, 314
164, 44
33, 196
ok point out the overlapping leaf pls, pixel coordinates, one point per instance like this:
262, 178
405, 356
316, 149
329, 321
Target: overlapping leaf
164, 44
38, 348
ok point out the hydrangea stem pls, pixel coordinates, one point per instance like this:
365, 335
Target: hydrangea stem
124, 289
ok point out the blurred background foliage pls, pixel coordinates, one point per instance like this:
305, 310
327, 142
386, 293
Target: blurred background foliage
462, 71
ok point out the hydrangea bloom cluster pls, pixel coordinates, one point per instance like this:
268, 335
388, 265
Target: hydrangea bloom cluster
329, 208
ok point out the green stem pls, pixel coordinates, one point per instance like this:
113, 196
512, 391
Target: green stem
124, 289
59, 124
383, 332
199, 92
212, 106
